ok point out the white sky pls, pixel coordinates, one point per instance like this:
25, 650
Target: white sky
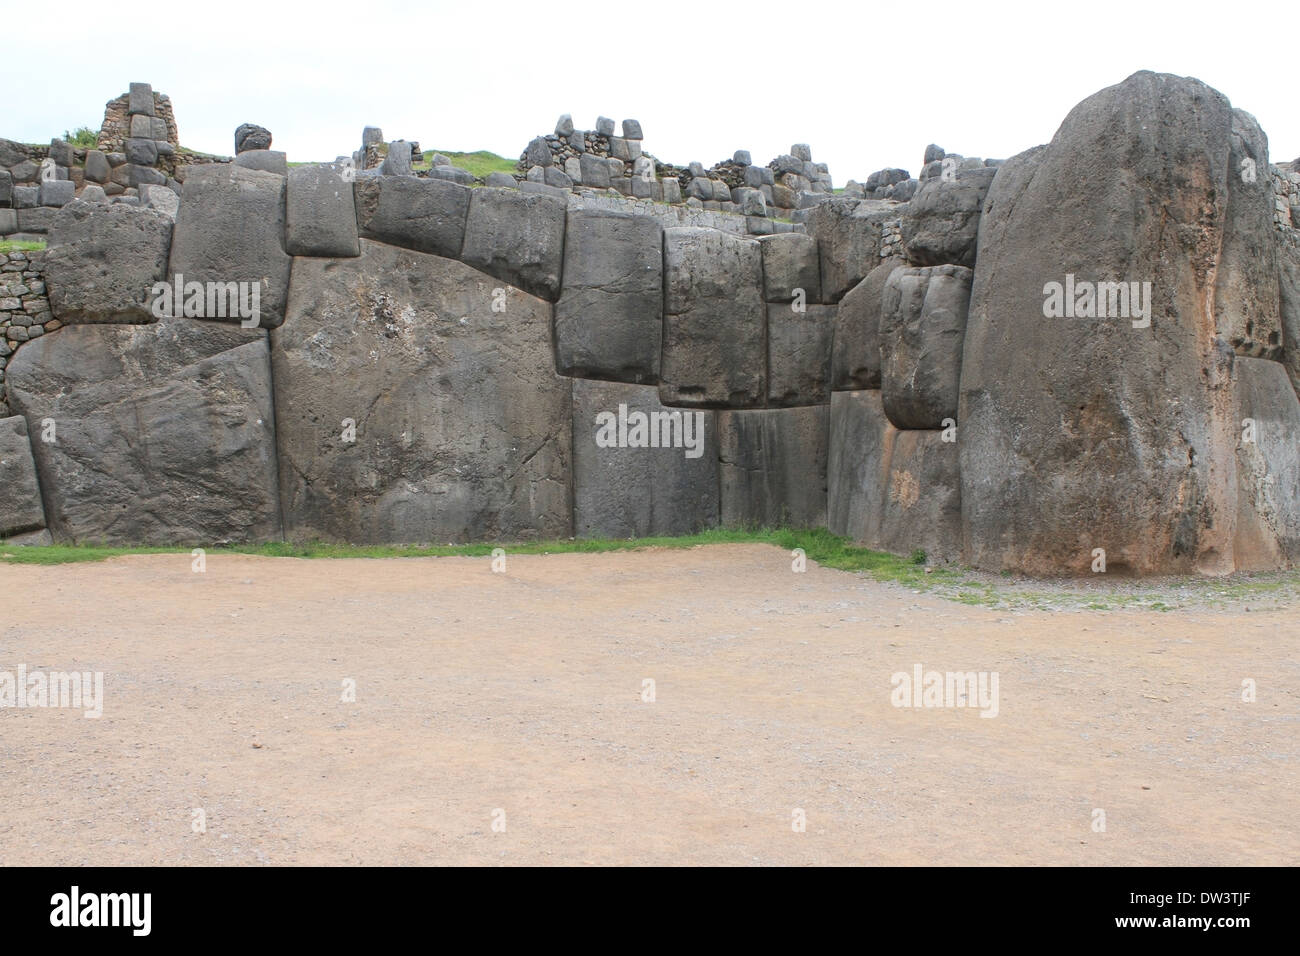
867, 85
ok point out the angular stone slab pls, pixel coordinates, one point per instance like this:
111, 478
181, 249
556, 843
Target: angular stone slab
517, 237
855, 354
921, 507
609, 317
857, 475
922, 329
21, 509
714, 319
636, 490
772, 467
799, 354
848, 240
320, 213
164, 433
462, 427
104, 260
427, 215
230, 228
790, 263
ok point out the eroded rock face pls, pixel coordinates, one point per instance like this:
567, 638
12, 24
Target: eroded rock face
427, 215
163, 433
461, 428
1268, 466
942, 219
713, 351
1104, 432
639, 479
609, 318
517, 237
230, 228
922, 328
21, 510
772, 467
855, 361
103, 262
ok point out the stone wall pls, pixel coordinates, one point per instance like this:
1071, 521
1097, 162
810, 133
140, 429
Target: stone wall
430, 359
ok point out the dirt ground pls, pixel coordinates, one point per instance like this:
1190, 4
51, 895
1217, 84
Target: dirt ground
516, 698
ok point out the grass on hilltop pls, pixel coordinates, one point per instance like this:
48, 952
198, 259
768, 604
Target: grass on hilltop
479, 163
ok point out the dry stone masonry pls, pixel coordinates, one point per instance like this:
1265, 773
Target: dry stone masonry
1033, 365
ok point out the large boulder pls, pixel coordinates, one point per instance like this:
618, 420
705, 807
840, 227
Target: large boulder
1090, 419
517, 237
21, 510
848, 233
891, 489
772, 467
641, 469
855, 355
1246, 280
1268, 466
409, 410
713, 319
799, 354
609, 317
320, 213
103, 261
922, 328
161, 434
427, 215
790, 263
942, 220
230, 228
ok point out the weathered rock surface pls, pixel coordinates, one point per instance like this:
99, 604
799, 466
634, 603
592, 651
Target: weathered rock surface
772, 467
857, 477
942, 220
855, 356
714, 319
320, 213
1085, 433
427, 215
799, 354
163, 433
21, 510
103, 261
230, 228
517, 237
1268, 466
609, 317
790, 262
462, 427
1289, 273
848, 240
637, 490
922, 328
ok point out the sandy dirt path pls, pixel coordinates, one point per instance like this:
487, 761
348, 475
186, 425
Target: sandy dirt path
522, 692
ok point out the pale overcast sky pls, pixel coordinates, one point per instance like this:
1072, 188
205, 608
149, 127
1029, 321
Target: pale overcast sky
867, 85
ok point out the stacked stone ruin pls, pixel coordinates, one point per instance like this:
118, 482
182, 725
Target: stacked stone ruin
434, 361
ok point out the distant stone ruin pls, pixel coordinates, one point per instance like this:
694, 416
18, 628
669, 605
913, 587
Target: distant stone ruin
1082, 359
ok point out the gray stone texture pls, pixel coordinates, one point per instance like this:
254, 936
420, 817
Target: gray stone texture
942, 219
1268, 466
799, 354
855, 355
462, 425
230, 228
790, 262
267, 160
922, 329
714, 319
103, 261
320, 213
21, 509
427, 215
609, 317
517, 237
621, 492
165, 433
772, 467
848, 240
